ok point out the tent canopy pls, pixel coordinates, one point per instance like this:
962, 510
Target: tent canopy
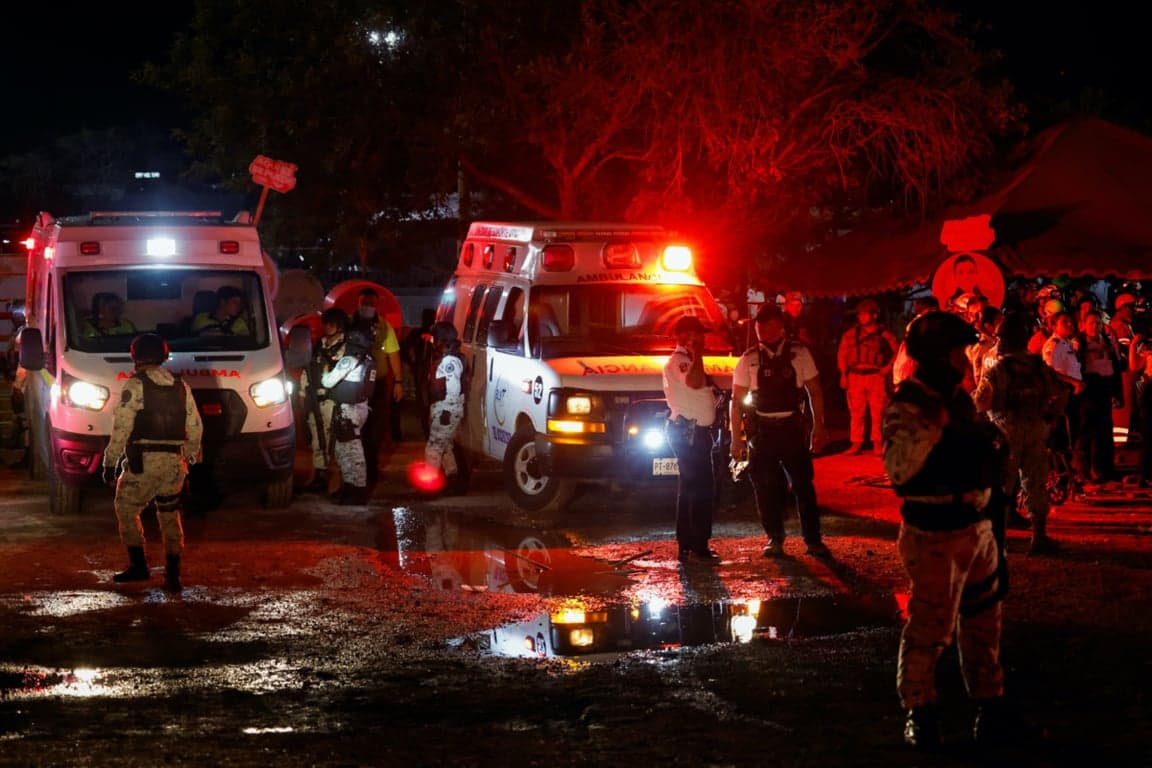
1080, 205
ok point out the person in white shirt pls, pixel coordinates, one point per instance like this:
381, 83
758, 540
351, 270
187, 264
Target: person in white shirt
778, 377
691, 432
1060, 353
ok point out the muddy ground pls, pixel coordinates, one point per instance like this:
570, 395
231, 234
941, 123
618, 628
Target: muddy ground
337, 636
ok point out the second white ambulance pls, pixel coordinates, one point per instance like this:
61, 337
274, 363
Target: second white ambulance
566, 327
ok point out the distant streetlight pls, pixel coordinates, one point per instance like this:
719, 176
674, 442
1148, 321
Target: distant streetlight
390, 39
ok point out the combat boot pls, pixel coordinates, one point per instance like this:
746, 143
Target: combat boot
353, 495
319, 482
922, 728
137, 569
172, 574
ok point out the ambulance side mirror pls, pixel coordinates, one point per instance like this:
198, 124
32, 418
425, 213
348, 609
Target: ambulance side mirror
500, 334
299, 350
31, 347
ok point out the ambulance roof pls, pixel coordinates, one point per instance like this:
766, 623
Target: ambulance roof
550, 231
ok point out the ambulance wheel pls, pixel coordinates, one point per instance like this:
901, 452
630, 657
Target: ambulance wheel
529, 488
529, 565
63, 499
278, 495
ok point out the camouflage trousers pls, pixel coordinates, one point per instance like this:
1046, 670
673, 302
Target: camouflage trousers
445, 416
1028, 462
348, 453
162, 480
953, 575
866, 392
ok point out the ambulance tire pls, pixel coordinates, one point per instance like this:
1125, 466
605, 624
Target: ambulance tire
527, 487
529, 564
63, 499
278, 494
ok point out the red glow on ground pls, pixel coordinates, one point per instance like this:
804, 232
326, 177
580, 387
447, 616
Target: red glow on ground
424, 477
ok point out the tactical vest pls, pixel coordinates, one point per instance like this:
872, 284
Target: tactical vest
777, 388
163, 413
359, 384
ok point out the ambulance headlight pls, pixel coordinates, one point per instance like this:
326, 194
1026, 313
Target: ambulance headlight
81, 394
579, 405
268, 392
653, 439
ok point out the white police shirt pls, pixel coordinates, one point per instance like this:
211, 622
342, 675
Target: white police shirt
693, 404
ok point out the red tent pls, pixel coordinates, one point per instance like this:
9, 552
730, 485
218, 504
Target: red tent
1081, 204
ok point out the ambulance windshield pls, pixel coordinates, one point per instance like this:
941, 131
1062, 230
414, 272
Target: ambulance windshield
194, 310
619, 318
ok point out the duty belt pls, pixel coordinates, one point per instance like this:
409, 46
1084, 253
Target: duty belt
863, 369
972, 497
156, 447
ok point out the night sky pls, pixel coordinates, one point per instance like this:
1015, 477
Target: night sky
60, 71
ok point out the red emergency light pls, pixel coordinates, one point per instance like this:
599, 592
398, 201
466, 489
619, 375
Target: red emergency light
558, 258
29, 243
89, 248
229, 246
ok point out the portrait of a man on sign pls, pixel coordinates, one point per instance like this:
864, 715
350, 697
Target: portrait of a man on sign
968, 273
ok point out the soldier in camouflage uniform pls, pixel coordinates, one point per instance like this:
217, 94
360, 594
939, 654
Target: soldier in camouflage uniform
943, 463
1022, 394
155, 436
446, 391
318, 405
349, 385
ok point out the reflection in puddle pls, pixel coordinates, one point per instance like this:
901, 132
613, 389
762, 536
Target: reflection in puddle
574, 630
81, 683
459, 552
61, 604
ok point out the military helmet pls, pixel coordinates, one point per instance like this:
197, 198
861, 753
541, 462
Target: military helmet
935, 334
868, 305
149, 348
444, 331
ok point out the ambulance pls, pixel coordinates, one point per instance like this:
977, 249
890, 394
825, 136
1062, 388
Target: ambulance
96, 281
565, 327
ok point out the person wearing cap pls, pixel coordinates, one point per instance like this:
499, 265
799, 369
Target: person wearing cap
1121, 323
771, 383
944, 460
865, 357
691, 431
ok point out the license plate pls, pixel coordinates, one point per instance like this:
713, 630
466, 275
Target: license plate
665, 466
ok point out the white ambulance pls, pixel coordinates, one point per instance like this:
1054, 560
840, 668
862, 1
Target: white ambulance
566, 327
96, 281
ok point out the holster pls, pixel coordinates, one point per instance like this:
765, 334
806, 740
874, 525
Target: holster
344, 430
680, 431
135, 456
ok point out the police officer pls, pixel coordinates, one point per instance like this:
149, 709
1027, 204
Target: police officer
1022, 396
943, 462
318, 406
447, 392
349, 385
777, 377
155, 436
691, 432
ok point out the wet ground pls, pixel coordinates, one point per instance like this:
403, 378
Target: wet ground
460, 631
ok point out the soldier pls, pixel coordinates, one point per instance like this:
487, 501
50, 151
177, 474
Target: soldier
865, 357
1022, 396
904, 366
318, 406
349, 386
155, 436
447, 391
691, 432
943, 463
778, 377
